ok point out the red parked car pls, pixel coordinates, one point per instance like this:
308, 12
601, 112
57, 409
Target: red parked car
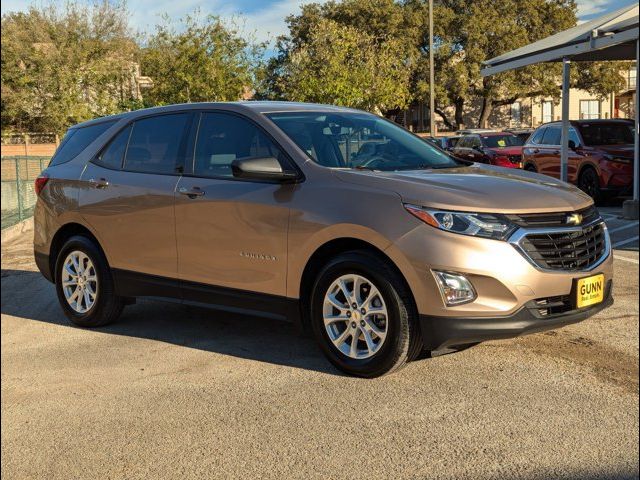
495, 148
600, 155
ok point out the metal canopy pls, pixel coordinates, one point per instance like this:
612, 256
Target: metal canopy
613, 36
609, 37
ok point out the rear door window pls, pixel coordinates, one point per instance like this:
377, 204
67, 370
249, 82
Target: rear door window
158, 144
552, 136
113, 155
222, 138
76, 140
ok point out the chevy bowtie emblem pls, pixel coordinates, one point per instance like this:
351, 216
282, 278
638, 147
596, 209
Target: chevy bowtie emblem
574, 219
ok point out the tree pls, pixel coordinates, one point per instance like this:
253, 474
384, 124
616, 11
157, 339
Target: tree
200, 60
345, 66
60, 67
355, 53
472, 31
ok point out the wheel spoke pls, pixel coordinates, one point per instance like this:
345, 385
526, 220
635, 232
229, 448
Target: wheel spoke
336, 303
373, 293
337, 318
345, 291
367, 338
357, 285
354, 343
375, 329
342, 338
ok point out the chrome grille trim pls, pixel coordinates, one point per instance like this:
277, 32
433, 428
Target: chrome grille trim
519, 236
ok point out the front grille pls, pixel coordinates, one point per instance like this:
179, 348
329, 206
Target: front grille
550, 307
515, 158
566, 250
545, 307
555, 219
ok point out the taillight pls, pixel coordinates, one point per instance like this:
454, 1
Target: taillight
40, 182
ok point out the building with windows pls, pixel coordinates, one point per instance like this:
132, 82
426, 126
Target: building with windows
531, 112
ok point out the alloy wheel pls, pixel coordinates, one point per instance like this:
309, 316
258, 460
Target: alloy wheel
79, 281
355, 316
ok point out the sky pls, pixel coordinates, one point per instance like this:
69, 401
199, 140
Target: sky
264, 19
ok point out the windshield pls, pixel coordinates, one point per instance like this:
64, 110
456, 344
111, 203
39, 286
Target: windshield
359, 140
502, 141
606, 133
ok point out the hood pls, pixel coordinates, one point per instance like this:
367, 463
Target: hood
625, 151
475, 188
506, 150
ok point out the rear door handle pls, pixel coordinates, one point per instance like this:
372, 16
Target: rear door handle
100, 183
191, 193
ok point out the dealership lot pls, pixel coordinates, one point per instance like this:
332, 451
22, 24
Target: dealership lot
186, 392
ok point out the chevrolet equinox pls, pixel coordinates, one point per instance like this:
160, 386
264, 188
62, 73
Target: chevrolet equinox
336, 219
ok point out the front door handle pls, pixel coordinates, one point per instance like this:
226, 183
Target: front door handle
191, 193
100, 183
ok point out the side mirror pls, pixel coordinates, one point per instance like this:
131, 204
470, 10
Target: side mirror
572, 145
477, 148
263, 168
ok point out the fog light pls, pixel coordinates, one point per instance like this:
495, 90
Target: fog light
455, 288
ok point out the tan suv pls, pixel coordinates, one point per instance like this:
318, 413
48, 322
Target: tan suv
333, 218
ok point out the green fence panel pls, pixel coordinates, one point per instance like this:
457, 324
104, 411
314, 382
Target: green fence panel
18, 195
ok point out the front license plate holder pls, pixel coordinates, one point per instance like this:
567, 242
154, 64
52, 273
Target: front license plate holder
588, 291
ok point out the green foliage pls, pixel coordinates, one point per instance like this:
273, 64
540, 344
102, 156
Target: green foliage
60, 67
342, 65
356, 53
63, 65
199, 60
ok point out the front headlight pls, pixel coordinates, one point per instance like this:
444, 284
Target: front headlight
485, 225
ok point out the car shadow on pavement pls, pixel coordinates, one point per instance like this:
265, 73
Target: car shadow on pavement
238, 335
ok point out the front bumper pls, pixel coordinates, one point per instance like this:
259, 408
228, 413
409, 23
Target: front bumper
442, 332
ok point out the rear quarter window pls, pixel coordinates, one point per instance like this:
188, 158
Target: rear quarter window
76, 140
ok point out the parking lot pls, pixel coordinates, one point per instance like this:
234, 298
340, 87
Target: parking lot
183, 392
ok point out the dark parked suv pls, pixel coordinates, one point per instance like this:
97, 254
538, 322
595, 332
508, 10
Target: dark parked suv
600, 155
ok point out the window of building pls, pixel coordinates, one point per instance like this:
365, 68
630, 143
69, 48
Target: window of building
547, 111
589, 109
516, 113
631, 78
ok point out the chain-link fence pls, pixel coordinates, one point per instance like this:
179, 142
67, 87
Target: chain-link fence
18, 196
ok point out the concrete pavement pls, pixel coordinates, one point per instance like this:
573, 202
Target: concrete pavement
179, 392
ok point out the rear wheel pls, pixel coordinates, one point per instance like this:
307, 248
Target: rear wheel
589, 183
363, 315
84, 285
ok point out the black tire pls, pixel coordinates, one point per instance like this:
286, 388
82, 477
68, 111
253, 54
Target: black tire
403, 341
530, 168
589, 183
107, 306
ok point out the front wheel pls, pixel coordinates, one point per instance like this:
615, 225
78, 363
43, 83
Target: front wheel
589, 183
84, 284
363, 315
